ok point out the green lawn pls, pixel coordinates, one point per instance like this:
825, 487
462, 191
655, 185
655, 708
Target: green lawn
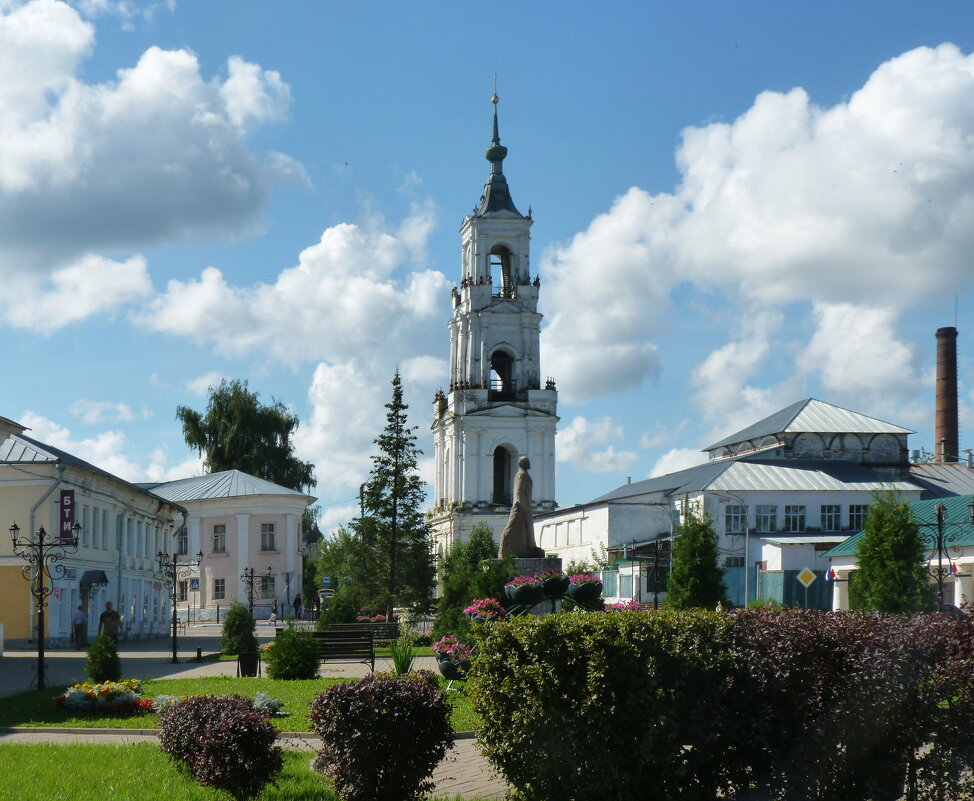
48, 772
36, 707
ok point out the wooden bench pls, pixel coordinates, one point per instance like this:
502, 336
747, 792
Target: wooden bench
354, 645
381, 632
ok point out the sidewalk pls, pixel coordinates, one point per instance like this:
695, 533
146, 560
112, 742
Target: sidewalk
463, 772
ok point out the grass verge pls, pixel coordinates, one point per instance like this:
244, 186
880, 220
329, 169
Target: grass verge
36, 707
141, 772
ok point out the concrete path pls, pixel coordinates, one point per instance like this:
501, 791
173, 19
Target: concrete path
463, 772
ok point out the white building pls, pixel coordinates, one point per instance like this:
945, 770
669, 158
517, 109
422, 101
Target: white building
240, 523
497, 408
123, 527
781, 493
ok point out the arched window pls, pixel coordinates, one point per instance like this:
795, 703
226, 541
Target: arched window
500, 268
503, 474
502, 376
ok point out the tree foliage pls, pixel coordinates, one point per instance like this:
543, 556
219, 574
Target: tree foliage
238, 432
469, 570
696, 580
890, 576
393, 529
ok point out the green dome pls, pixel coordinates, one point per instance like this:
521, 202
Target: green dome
496, 152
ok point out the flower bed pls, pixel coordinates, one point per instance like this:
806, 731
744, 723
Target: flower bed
484, 609
622, 606
451, 649
110, 697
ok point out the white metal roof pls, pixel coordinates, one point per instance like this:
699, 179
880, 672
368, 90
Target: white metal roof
227, 484
804, 475
813, 416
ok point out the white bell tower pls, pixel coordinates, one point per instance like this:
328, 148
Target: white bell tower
497, 408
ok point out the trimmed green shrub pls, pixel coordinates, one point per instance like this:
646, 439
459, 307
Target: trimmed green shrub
604, 705
294, 655
382, 736
238, 630
103, 663
223, 741
341, 608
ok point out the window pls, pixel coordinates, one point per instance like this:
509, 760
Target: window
831, 517
610, 581
733, 561
735, 519
857, 516
268, 585
267, 537
104, 529
183, 591
794, 518
625, 585
84, 526
219, 589
766, 519
219, 538
182, 543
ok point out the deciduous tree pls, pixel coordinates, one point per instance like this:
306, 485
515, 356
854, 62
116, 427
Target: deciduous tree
238, 432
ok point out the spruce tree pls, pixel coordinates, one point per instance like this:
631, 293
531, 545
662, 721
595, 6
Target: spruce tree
890, 574
393, 528
696, 580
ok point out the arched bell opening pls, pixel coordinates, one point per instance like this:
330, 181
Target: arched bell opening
501, 269
502, 384
504, 460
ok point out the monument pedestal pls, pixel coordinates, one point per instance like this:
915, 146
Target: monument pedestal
527, 567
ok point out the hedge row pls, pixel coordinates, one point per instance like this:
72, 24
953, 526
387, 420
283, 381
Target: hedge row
789, 706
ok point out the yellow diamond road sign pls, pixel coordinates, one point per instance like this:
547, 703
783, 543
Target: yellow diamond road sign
806, 577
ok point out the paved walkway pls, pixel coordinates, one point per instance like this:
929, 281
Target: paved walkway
464, 772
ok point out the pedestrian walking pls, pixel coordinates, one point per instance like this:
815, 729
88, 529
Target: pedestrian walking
298, 607
272, 620
110, 621
79, 626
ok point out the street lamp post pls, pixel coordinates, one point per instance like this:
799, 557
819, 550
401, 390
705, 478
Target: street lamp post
250, 577
946, 537
172, 570
43, 555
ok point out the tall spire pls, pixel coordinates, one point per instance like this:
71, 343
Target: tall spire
496, 196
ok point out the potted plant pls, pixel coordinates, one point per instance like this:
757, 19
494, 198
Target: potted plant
525, 590
585, 588
483, 609
453, 658
555, 583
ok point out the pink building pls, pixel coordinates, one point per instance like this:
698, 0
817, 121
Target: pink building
240, 523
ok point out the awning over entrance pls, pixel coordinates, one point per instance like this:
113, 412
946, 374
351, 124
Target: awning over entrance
94, 578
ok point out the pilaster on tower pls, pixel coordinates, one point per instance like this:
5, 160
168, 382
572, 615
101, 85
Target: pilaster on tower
497, 407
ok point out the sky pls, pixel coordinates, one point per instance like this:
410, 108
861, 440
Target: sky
736, 205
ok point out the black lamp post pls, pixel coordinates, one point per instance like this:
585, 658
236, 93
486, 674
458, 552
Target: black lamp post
172, 570
251, 577
43, 554
946, 538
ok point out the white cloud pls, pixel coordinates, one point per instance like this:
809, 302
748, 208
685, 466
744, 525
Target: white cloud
791, 207
332, 518
202, 383
107, 451
677, 459
577, 443
157, 154
92, 412
339, 302
857, 352
91, 286
424, 370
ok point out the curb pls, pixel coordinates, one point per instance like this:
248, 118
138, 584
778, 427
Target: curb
292, 735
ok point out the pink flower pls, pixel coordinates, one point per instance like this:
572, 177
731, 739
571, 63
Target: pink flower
524, 581
585, 578
484, 607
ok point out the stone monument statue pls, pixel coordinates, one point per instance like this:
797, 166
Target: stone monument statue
518, 537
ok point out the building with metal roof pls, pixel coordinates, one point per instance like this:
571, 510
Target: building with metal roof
781, 492
122, 527
957, 556
240, 523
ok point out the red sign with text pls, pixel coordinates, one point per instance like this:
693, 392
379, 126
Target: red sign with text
67, 515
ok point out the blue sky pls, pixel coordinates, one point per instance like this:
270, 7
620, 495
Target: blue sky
736, 205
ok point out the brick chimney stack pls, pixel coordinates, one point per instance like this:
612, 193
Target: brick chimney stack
945, 425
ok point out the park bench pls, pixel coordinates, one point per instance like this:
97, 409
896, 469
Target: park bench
353, 645
381, 632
